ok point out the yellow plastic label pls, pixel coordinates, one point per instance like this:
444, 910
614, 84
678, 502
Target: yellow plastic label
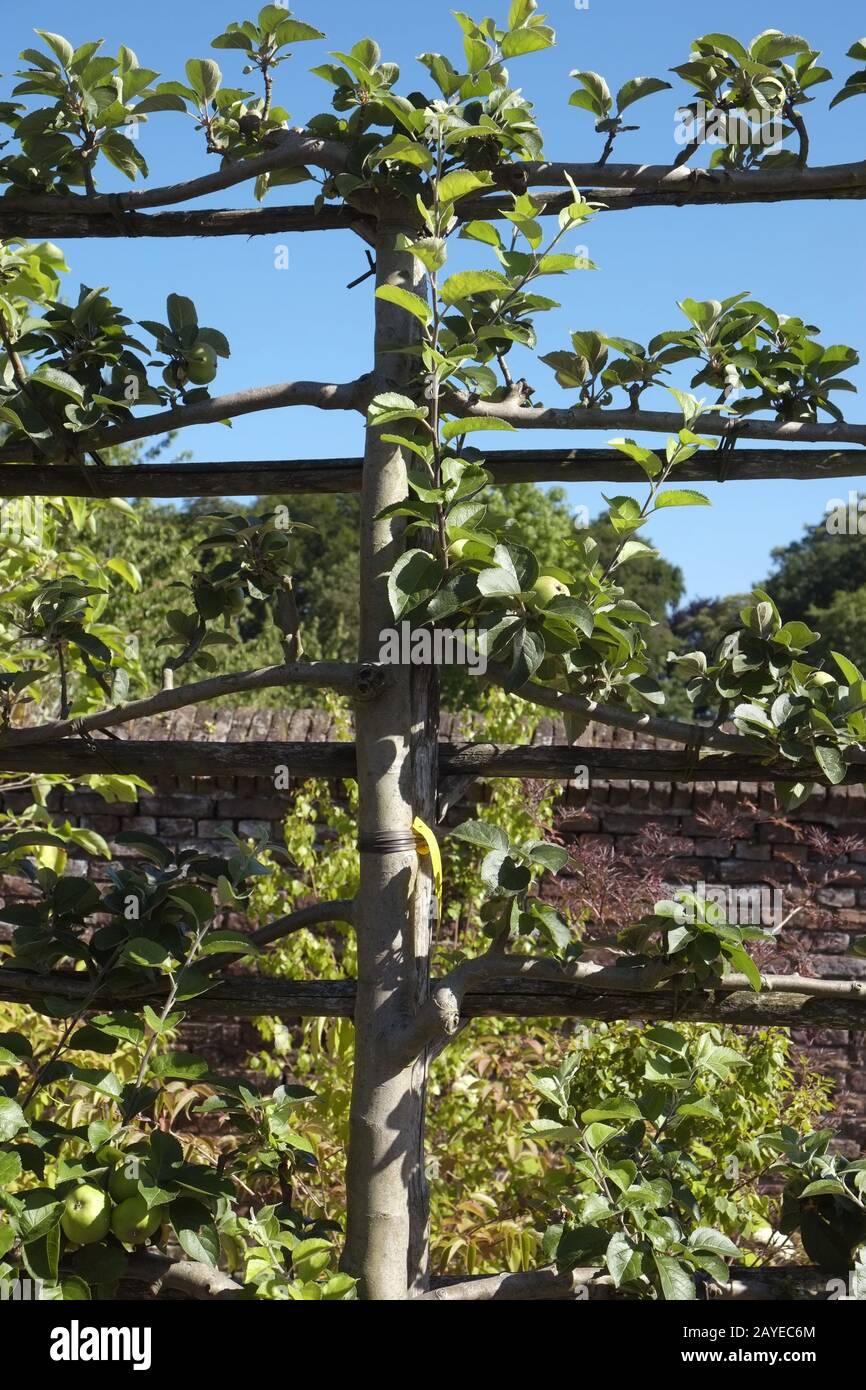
427, 843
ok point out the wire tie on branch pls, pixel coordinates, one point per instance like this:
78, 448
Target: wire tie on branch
123, 217
693, 752
387, 842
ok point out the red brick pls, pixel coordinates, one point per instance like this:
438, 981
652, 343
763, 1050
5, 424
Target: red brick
792, 854
578, 822
268, 808
836, 897
718, 849
624, 822
594, 842
207, 829
103, 825
775, 834
748, 849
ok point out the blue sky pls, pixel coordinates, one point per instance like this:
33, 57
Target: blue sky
802, 258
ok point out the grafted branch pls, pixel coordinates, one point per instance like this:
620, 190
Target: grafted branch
313, 915
675, 730
188, 1278
710, 185
293, 151
514, 411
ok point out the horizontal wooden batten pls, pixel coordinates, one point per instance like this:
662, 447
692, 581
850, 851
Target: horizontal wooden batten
155, 757
252, 997
181, 479
334, 475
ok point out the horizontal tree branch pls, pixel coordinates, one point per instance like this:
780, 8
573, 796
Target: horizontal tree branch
536, 1285
254, 997
204, 222
615, 185
529, 417
200, 758
721, 185
348, 395
190, 1279
359, 682
314, 915
336, 475
693, 736
549, 204
293, 151
548, 1284
440, 1016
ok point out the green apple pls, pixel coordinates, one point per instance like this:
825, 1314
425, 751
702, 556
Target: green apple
121, 1184
822, 678
235, 599
201, 364
547, 587
86, 1215
457, 548
132, 1221
175, 375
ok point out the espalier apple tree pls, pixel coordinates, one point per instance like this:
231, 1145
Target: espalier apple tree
471, 229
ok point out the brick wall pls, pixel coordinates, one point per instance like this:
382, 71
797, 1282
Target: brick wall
727, 834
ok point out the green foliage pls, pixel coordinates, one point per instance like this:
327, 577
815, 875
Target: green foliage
823, 1199
855, 84
826, 567
89, 371
92, 100
754, 84
761, 680
594, 95
241, 558
158, 917
726, 1161
744, 347
627, 1191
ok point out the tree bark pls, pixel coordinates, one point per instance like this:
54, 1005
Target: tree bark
386, 1214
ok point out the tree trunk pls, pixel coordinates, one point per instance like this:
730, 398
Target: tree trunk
386, 1232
